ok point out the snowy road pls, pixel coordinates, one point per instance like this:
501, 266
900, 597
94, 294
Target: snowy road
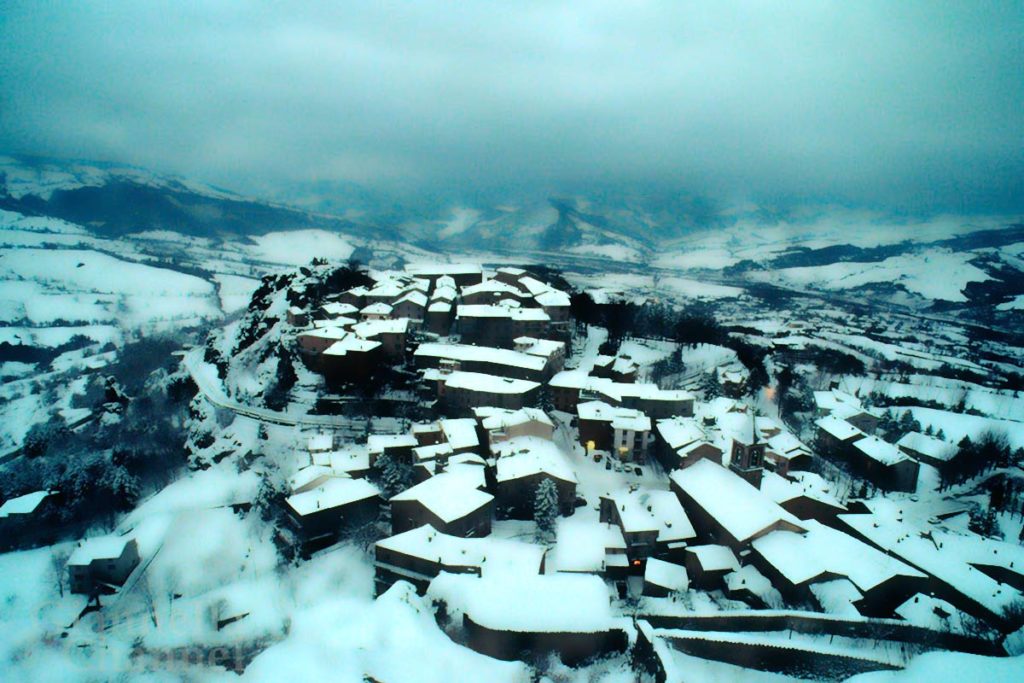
205, 378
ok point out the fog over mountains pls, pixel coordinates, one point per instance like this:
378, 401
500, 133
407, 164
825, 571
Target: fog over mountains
906, 108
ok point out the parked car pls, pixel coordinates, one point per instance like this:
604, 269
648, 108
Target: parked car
607, 464
638, 471
597, 457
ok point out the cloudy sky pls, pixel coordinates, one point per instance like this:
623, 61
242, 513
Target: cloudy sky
903, 104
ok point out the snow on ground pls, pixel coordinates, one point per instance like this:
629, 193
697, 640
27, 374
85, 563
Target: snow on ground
33, 610
299, 247
950, 392
932, 667
713, 259
696, 289
74, 285
1014, 304
956, 425
462, 219
646, 351
916, 272
235, 292
338, 635
618, 252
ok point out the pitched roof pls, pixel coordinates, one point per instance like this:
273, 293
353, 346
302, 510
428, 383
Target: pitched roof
742, 510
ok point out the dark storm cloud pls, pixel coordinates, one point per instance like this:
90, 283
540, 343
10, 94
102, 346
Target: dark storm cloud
866, 102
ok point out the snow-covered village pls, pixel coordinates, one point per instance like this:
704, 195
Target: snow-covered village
453, 467
511, 342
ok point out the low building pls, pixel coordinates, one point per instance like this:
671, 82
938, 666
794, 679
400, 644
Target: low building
662, 579
806, 495
377, 311
397, 446
884, 465
707, 565
500, 325
550, 350
507, 616
682, 441
27, 520
482, 359
322, 514
390, 333
711, 496
101, 565
622, 431
439, 318
490, 292
617, 369
653, 522
452, 502
836, 437
501, 424
786, 453
463, 391
420, 554
522, 464
927, 449
461, 274
795, 561
460, 434
412, 305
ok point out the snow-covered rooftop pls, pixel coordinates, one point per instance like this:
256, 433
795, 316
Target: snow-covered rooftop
544, 348
99, 548
653, 510
350, 344
485, 354
554, 603
742, 510
825, 552
880, 451
451, 495
460, 433
620, 418
714, 557
667, 575
491, 555
936, 449
810, 485
23, 505
478, 381
525, 455
378, 443
371, 328
335, 492
840, 429
680, 431
501, 418
486, 311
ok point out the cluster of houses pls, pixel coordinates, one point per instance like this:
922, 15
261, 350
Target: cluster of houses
358, 329
697, 495
465, 472
846, 431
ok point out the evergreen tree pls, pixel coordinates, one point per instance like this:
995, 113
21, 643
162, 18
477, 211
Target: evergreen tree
940, 434
710, 386
545, 511
394, 478
928, 430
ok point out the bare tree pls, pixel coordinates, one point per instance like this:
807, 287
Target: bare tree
58, 567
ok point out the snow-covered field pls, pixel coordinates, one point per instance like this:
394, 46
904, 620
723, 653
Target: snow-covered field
933, 274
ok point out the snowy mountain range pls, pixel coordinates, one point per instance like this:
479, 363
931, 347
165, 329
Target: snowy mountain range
938, 262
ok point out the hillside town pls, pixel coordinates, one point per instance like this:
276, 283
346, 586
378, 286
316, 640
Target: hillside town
549, 491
